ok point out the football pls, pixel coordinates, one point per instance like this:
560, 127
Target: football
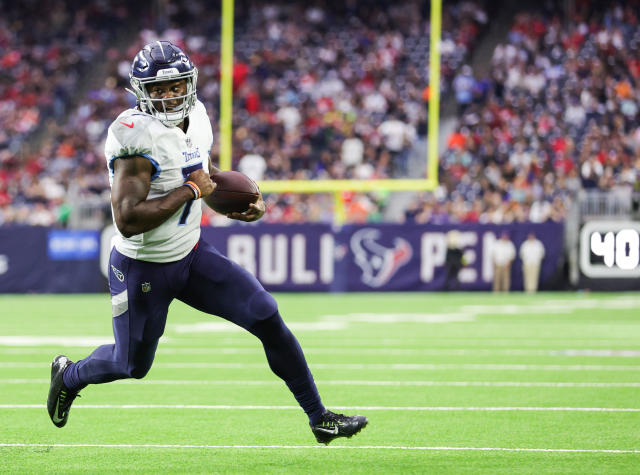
234, 192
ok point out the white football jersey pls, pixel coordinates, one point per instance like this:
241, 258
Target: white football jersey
174, 154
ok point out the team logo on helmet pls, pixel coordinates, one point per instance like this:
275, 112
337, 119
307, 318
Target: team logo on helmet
378, 262
140, 63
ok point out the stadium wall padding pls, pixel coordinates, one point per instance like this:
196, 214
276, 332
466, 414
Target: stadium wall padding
300, 257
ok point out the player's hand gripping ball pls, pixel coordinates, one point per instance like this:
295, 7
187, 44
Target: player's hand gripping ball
234, 194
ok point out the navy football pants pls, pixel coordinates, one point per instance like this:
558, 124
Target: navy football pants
208, 281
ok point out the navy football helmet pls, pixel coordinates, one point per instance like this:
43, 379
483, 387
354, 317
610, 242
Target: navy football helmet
162, 61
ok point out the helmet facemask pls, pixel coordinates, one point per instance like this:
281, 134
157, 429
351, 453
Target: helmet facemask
158, 107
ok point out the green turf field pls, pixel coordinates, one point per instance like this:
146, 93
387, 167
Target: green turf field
451, 383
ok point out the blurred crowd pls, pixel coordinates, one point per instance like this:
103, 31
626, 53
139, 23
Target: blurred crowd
333, 91
559, 113
47, 50
320, 91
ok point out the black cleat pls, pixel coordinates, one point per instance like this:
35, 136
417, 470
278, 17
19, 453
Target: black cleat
60, 398
332, 426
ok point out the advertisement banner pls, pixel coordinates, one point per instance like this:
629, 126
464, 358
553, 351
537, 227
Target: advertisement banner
293, 258
39, 259
382, 257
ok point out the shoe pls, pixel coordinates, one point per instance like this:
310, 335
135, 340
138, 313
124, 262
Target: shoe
60, 398
332, 426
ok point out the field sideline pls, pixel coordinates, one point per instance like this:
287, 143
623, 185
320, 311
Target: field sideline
451, 383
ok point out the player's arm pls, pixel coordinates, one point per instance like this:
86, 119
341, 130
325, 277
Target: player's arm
133, 213
256, 210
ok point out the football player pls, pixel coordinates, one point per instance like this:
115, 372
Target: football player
159, 170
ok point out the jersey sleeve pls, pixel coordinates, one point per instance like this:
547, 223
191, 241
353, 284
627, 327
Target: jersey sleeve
129, 136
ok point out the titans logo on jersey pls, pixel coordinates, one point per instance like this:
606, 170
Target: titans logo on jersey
174, 154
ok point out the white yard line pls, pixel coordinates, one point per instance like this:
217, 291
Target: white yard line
75, 341
378, 366
331, 447
257, 350
507, 384
179, 343
559, 306
438, 341
347, 408
571, 352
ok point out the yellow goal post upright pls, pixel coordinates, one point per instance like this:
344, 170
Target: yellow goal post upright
337, 187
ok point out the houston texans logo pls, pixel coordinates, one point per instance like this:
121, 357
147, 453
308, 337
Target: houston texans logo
378, 263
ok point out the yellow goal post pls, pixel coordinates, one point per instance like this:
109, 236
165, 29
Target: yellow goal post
336, 187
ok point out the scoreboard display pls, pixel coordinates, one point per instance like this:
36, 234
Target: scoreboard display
610, 249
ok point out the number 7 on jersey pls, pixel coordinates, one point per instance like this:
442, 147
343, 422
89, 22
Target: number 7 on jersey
186, 171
